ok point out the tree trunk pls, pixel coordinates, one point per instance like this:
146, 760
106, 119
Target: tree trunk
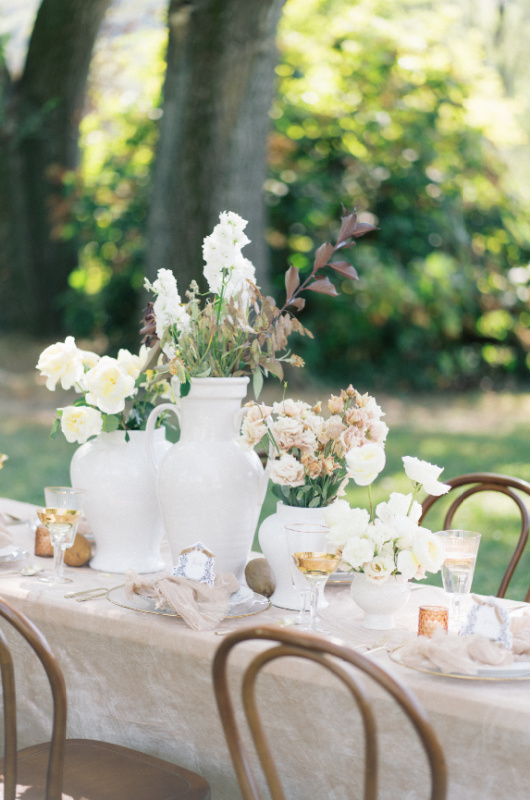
38, 146
211, 153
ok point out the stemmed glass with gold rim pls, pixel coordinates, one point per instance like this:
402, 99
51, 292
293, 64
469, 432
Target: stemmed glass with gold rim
60, 516
312, 559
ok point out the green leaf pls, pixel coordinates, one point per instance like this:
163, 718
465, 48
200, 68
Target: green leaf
185, 389
257, 383
56, 425
111, 422
314, 503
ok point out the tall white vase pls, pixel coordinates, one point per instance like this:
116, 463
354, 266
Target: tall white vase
120, 500
273, 542
209, 488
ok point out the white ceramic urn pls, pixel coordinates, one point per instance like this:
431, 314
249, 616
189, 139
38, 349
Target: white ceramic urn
210, 489
273, 542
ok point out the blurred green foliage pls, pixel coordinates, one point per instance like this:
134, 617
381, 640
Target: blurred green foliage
403, 122
387, 106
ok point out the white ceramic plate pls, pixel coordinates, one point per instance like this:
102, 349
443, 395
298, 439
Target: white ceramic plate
255, 605
12, 553
518, 671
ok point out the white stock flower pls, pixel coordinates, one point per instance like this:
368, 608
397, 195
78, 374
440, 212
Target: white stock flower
133, 365
425, 473
357, 552
379, 568
287, 471
167, 308
398, 506
62, 362
108, 385
365, 463
79, 423
221, 251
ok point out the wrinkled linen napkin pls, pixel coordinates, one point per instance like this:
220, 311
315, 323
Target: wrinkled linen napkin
202, 607
466, 654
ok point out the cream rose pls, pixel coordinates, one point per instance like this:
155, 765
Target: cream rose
108, 385
286, 471
379, 569
61, 362
79, 423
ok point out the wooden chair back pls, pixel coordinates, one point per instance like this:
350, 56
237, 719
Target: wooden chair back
337, 658
53, 671
489, 482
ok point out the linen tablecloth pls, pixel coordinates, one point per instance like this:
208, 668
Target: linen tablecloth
144, 681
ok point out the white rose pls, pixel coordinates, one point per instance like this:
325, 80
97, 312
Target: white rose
133, 365
365, 463
425, 473
88, 358
407, 564
286, 471
354, 524
398, 506
108, 385
336, 512
379, 568
357, 552
428, 550
79, 423
61, 362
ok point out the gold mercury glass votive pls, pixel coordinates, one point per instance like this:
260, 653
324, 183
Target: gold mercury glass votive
430, 618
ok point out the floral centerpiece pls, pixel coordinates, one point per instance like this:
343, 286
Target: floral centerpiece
235, 330
389, 541
308, 453
116, 393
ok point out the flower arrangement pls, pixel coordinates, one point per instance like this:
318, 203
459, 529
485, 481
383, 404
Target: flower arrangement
106, 385
308, 463
391, 541
235, 330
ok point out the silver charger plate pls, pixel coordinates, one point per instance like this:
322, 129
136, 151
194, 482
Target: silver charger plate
10, 554
254, 605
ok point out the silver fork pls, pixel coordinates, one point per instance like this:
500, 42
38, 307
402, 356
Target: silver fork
378, 645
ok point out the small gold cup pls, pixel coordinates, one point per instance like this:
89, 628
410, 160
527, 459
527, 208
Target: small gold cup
432, 617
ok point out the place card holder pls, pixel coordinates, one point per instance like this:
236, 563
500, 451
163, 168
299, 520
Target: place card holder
432, 617
196, 563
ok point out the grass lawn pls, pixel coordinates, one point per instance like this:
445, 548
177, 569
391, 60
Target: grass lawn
471, 433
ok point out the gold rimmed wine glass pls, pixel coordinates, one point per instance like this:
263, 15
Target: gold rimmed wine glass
60, 516
313, 560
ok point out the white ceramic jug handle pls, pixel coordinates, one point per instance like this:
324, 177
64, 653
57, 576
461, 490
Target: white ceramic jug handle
238, 419
150, 428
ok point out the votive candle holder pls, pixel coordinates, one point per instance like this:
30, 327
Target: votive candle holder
432, 617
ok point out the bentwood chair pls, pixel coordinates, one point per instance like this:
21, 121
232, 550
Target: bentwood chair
338, 659
76, 769
488, 482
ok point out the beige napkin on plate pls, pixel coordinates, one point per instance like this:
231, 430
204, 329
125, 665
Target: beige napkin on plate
202, 607
464, 654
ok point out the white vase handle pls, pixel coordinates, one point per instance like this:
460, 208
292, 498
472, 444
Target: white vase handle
150, 429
